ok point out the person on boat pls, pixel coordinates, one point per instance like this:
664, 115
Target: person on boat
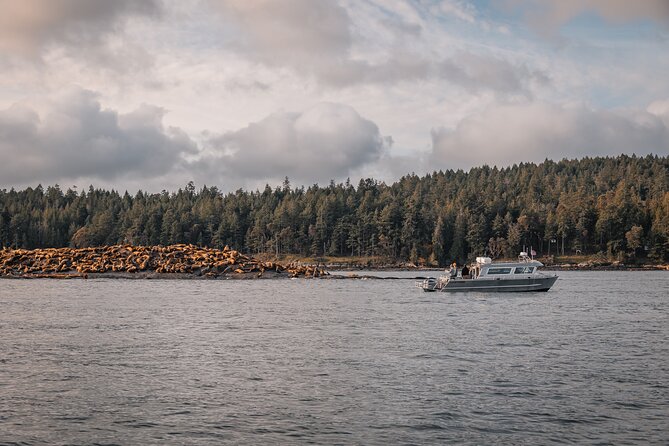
454, 269
465, 272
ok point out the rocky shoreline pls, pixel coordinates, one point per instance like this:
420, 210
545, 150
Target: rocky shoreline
145, 262
186, 262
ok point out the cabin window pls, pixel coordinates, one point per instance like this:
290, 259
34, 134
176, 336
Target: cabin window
499, 271
524, 270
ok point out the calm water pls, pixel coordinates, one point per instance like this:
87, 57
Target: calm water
339, 361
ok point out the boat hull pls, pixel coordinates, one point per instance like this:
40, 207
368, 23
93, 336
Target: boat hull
499, 285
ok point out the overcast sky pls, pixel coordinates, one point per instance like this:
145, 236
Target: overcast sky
238, 93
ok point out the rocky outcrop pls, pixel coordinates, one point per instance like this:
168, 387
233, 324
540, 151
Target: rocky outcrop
175, 259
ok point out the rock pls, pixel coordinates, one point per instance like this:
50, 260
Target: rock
184, 259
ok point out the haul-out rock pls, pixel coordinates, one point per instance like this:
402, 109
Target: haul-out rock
127, 259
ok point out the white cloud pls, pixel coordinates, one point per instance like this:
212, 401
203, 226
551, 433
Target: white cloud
461, 10
327, 141
661, 110
506, 134
76, 138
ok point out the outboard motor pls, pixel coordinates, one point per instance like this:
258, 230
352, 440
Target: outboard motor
430, 284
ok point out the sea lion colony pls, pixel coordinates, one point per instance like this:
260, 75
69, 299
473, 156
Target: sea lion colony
183, 259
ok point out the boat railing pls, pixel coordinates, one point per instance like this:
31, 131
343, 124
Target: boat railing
524, 257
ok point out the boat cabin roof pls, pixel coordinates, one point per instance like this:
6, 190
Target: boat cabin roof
511, 264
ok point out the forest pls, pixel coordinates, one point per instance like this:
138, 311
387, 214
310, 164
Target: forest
616, 206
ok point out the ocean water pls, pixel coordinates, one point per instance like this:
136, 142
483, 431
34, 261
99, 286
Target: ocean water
334, 362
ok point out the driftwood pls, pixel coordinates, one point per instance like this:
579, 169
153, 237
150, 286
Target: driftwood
183, 259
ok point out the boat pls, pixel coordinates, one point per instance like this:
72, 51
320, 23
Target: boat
486, 276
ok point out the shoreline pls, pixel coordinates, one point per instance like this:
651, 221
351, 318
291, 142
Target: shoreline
334, 274
144, 262
561, 267
146, 275
189, 262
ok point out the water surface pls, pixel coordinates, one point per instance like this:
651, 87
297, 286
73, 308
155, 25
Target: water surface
334, 361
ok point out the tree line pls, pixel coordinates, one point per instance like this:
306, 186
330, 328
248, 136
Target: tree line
617, 206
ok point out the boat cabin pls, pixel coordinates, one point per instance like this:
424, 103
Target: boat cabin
484, 268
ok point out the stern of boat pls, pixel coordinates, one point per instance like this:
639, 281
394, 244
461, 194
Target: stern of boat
433, 284
428, 285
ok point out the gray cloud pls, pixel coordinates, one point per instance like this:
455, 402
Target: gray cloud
548, 15
324, 142
474, 72
507, 134
28, 26
469, 71
76, 138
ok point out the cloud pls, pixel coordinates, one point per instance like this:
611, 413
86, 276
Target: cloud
474, 72
469, 71
29, 26
321, 40
76, 138
507, 134
463, 11
325, 142
290, 31
660, 109
549, 15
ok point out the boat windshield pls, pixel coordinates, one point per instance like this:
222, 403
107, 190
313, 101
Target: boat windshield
524, 270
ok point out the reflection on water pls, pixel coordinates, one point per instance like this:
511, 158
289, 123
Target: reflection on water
334, 361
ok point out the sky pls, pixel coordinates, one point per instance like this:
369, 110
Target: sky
152, 94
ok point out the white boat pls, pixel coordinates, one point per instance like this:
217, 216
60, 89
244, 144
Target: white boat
486, 276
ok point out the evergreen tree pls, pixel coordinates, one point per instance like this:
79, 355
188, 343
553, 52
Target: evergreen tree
618, 206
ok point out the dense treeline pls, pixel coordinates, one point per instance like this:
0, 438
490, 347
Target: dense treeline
617, 206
